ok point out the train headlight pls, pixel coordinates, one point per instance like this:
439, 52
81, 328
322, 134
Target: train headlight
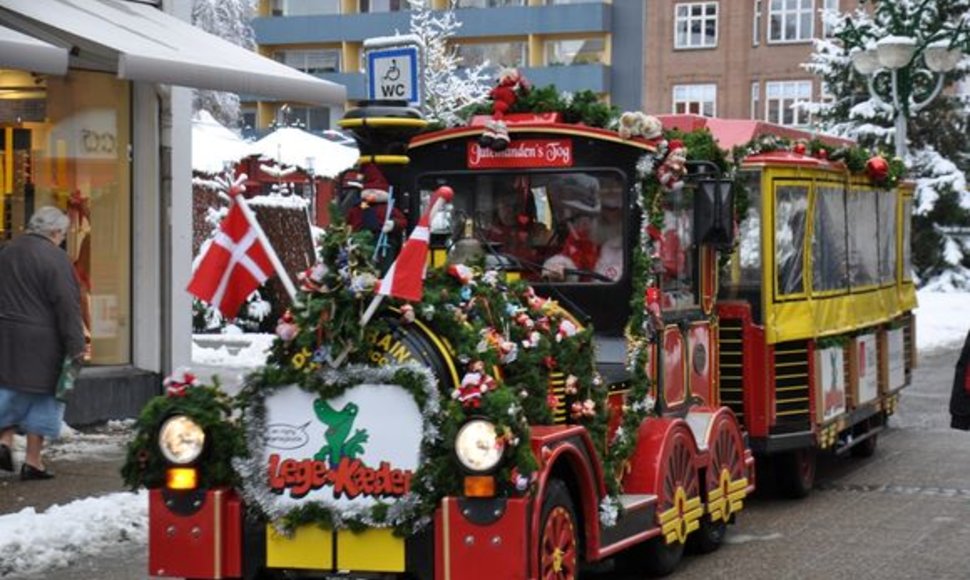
181, 440
478, 446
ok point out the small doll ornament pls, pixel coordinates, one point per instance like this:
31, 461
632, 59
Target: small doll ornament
286, 327
671, 172
504, 95
371, 213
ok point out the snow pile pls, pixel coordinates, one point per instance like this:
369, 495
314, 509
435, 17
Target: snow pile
213, 145
31, 542
298, 148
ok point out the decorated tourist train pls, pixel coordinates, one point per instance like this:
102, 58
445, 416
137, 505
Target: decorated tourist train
514, 358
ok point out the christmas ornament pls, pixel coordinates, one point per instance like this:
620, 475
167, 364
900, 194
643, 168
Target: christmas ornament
286, 327
877, 168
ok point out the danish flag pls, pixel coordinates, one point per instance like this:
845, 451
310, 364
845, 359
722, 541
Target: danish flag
405, 278
234, 264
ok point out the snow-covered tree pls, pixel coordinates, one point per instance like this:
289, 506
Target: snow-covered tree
448, 86
938, 135
229, 20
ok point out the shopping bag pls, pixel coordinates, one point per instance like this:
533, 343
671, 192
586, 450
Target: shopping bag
70, 369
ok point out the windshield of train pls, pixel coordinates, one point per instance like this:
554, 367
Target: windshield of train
565, 227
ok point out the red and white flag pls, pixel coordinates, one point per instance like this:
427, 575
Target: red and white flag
234, 264
405, 278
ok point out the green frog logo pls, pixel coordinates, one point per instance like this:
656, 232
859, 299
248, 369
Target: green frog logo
339, 443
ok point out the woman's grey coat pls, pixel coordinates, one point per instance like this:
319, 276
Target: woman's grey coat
40, 314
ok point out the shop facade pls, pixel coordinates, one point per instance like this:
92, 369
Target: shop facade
95, 118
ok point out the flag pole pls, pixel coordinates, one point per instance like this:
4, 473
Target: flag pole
270, 252
438, 201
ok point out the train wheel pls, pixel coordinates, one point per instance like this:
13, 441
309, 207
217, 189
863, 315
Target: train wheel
866, 448
559, 539
726, 484
679, 507
795, 472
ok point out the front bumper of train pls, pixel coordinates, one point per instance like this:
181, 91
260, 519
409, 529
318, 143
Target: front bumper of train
204, 534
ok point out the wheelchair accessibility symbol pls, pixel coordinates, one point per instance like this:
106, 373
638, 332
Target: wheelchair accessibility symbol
393, 74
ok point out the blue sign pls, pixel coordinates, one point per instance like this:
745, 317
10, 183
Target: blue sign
392, 73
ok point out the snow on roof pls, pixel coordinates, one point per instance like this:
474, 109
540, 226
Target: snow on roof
214, 145
294, 146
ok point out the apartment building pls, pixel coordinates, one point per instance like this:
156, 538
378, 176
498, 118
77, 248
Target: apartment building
574, 44
734, 58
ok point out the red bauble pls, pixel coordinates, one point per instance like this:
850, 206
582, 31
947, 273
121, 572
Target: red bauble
799, 148
877, 168
822, 153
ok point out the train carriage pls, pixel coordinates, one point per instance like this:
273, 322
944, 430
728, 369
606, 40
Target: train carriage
584, 376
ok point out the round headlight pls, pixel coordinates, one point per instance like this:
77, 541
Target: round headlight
181, 439
478, 446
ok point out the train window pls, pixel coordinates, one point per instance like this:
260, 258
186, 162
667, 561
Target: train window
675, 251
907, 233
862, 227
553, 227
887, 236
749, 238
829, 254
791, 207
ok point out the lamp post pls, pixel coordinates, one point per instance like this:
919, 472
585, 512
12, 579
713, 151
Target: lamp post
899, 57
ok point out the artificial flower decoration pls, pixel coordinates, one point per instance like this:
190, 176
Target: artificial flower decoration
178, 382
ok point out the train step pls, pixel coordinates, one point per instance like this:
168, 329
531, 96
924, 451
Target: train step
638, 514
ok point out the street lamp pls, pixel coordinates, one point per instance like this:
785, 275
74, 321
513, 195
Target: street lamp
898, 56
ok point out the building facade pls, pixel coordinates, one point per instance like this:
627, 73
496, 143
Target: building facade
95, 119
574, 44
735, 59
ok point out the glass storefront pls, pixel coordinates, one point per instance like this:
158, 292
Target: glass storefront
66, 141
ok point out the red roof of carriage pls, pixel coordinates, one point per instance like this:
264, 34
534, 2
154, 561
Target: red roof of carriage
731, 132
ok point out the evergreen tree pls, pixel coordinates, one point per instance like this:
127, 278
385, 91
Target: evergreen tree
939, 140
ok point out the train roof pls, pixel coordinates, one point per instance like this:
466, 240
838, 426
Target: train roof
732, 132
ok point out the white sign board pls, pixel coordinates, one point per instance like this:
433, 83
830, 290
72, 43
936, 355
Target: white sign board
392, 73
896, 358
830, 382
348, 452
868, 365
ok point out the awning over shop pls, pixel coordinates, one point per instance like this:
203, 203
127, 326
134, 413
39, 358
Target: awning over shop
25, 52
157, 47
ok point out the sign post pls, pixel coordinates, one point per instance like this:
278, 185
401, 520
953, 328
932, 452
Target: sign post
394, 69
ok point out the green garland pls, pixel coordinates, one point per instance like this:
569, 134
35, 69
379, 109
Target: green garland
210, 408
407, 514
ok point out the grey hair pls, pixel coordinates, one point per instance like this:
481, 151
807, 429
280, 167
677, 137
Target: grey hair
48, 221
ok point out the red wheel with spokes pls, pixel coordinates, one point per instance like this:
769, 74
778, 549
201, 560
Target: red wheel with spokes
725, 483
559, 539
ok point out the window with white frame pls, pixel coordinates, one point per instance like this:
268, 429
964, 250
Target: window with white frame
791, 20
316, 61
695, 99
780, 100
755, 99
498, 54
828, 6
756, 25
574, 51
695, 25
304, 7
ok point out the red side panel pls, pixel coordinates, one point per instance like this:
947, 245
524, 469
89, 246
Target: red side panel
673, 364
701, 359
205, 544
468, 551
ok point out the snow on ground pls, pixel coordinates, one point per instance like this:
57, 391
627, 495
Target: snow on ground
31, 542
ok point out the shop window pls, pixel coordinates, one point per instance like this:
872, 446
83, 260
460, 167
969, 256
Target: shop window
313, 119
791, 20
384, 5
304, 7
79, 158
499, 54
574, 52
695, 25
318, 61
781, 98
791, 209
829, 253
695, 99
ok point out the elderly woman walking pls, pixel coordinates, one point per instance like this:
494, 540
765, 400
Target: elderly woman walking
40, 325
